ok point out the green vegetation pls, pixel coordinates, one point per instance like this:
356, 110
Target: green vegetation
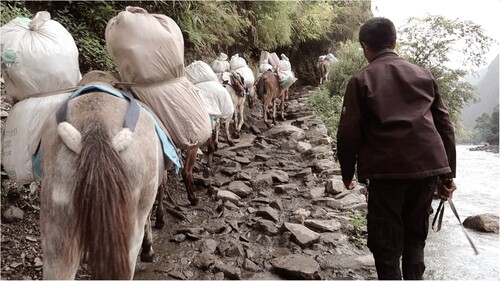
358, 228
327, 102
303, 30
432, 41
487, 127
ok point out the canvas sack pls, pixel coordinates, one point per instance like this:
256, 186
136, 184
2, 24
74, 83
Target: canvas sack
149, 52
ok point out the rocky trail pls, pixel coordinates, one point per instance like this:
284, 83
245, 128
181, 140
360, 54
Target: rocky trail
273, 208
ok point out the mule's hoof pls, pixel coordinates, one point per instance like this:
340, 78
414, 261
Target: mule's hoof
147, 256
193, 201
206, 173
231, 143
159, 224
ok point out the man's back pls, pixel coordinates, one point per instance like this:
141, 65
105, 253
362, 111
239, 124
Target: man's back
398, 138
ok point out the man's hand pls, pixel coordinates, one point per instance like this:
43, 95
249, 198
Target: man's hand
446, 187
349, 184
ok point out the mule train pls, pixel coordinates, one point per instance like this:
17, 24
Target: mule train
105, 153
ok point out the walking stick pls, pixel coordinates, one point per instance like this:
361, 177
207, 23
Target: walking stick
440, 211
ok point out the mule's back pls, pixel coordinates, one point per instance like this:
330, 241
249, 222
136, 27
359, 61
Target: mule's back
96, 194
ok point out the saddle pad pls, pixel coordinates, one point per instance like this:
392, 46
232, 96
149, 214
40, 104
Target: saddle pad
168, 148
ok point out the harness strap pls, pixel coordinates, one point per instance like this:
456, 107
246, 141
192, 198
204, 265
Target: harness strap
440, 212
131, 116
151, 84
463, 228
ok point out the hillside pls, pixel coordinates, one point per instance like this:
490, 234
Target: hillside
487, 94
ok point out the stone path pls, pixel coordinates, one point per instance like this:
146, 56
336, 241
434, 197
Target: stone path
274, 208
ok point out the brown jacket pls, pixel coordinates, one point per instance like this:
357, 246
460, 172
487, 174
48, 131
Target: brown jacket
394, 123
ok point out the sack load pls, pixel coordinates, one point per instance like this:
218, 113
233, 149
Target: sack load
286, 79
220, 64
215, 96
237, 62
39, 56
274, 60
22, 134
331, 57
199, 71
149, 52
239, 65
285, 63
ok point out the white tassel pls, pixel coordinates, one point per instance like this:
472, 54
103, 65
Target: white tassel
70, 136
122, 139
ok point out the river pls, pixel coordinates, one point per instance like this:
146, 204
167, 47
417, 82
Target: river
449, 255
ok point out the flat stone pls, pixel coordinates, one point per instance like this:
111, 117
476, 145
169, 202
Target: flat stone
296, 266
302, 235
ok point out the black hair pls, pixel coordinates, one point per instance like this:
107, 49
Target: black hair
378, 33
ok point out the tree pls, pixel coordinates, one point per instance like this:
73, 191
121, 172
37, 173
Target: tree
432, 42
487, 127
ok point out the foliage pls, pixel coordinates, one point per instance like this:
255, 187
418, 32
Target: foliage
303, 30
11, 10
432, 42
358, 227
207, 24
327, 102
351, 60
327, 108
487, 127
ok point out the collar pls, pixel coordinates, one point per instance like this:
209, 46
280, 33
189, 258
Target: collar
384, 53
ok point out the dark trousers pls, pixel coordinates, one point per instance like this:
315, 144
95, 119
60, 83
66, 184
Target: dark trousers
398, 223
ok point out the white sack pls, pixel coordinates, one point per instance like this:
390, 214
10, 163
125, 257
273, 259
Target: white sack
217, 93
247, 75
149, 51
237, 62
285, 65
40, 56
199, 71
208, 100
220, 64
22, 134
274, 60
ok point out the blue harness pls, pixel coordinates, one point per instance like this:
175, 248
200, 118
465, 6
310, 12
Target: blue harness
131, 118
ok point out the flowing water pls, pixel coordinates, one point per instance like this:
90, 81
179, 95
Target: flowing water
449, 255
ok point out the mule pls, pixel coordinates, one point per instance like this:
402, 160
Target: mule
323, 70
268, 90
236, 88
98, 188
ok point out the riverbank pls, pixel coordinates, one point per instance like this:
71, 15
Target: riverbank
487, 148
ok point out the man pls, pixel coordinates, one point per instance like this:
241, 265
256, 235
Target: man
395, 127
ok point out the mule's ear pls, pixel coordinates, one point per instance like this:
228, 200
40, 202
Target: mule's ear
70, 136
121, 140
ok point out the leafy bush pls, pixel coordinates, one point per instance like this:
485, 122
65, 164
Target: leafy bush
357, 225
351, 60
12, 10
327, 108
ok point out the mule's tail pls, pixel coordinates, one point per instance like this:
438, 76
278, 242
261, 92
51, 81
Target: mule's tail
260, 87
103, 205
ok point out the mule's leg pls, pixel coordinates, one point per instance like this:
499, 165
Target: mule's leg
60, 255
235, 120
274, 111
264, 112
227, 122
211, 149
242, 108
187, 174
283, 98
160, 209
147, 252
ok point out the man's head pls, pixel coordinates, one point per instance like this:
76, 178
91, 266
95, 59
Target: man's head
376, 34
